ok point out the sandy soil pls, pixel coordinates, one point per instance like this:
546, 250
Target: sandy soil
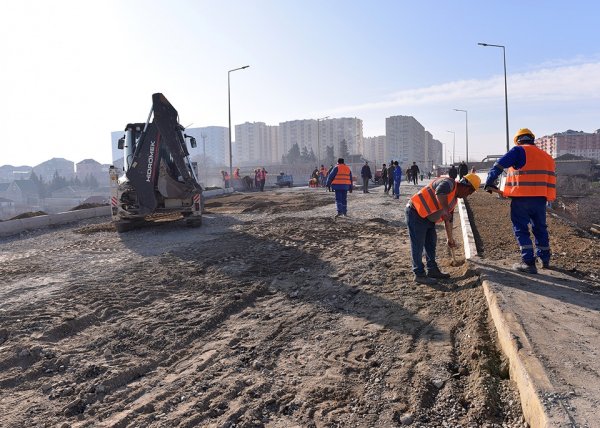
574, 250
271, 314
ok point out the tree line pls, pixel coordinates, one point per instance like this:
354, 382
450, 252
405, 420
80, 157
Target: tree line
45, 189
297, 156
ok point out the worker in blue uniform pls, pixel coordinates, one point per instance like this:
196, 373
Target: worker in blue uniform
530, 183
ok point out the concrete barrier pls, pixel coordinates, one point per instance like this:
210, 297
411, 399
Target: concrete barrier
12, 227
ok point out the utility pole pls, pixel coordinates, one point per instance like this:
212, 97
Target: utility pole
203, 135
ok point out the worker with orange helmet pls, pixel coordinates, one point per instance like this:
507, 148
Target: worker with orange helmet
530, 184
433, 204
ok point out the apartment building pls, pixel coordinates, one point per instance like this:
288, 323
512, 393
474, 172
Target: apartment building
213, 139
374, 150
256, 143
406, 140
318, 134
578, 143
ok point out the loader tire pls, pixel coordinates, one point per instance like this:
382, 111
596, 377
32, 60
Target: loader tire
127, 225
195, 221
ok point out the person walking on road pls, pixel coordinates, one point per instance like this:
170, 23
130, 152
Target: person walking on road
390, 176
530, 184
463, 169
262, 178
433, 204
384, 178
414, 173
397, 179
365, 174
453, 172
328, 172
340, 180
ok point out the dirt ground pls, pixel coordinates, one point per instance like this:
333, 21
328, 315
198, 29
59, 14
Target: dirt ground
574, 250
269, 315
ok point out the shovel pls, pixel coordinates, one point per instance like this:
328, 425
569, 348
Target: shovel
455, 261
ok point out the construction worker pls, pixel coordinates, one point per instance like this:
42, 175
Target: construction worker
340, 180
433, 204
390, 176
530, 183
397, 180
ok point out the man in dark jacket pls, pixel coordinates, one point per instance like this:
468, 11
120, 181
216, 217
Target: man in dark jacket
453, 172
463, 170
365, 174
414, 173
384, 178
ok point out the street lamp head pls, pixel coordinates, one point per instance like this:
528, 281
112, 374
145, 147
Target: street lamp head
246, 66
482, 44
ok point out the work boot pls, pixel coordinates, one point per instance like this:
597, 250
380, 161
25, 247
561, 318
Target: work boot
525, 268
437, 273
546, 264
421, 278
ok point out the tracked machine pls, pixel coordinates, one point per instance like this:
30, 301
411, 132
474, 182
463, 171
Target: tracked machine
157, 175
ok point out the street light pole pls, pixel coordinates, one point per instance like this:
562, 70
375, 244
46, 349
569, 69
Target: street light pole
466, 132
453, 144
203, 135
505, 89
319, 137
229, 107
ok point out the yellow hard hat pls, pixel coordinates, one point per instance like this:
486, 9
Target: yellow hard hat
524, 133
473, 179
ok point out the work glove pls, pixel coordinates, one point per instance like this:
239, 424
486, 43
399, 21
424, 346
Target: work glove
490, 188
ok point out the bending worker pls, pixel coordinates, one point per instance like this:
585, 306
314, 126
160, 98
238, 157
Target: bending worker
530, 183
433, 204
340, 180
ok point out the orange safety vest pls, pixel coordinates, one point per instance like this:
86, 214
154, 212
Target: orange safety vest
343, 175
426, 203
536, 178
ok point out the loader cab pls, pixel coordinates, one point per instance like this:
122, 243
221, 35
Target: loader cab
129, 141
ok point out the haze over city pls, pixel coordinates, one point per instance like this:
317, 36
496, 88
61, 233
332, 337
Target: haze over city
75, 71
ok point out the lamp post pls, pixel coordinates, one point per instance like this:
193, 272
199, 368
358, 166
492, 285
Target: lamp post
453, 144
203, 135
505, 88
229, 106
319, 137
466, 132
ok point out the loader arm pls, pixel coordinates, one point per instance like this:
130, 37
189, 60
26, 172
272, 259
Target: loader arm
161, 142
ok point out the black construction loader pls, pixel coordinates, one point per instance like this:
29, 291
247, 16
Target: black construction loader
157, 175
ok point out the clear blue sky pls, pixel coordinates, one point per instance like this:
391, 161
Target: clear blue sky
73, 71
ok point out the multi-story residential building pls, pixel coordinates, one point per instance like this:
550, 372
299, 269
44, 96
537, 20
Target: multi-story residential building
256, 143
318, 134
406, 140
213, 139
46, 170
571, 142
374, 150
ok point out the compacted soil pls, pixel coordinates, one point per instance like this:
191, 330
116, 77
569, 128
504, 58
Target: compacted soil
271, 314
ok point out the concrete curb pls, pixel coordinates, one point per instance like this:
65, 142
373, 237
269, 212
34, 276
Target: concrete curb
12, 227
525, 369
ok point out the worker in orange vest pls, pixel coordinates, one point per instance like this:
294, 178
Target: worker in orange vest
340, 180
433, 204
530, 184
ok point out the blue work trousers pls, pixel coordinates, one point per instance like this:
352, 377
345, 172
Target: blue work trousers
397, 189
523, 212
422, 235
341, 201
